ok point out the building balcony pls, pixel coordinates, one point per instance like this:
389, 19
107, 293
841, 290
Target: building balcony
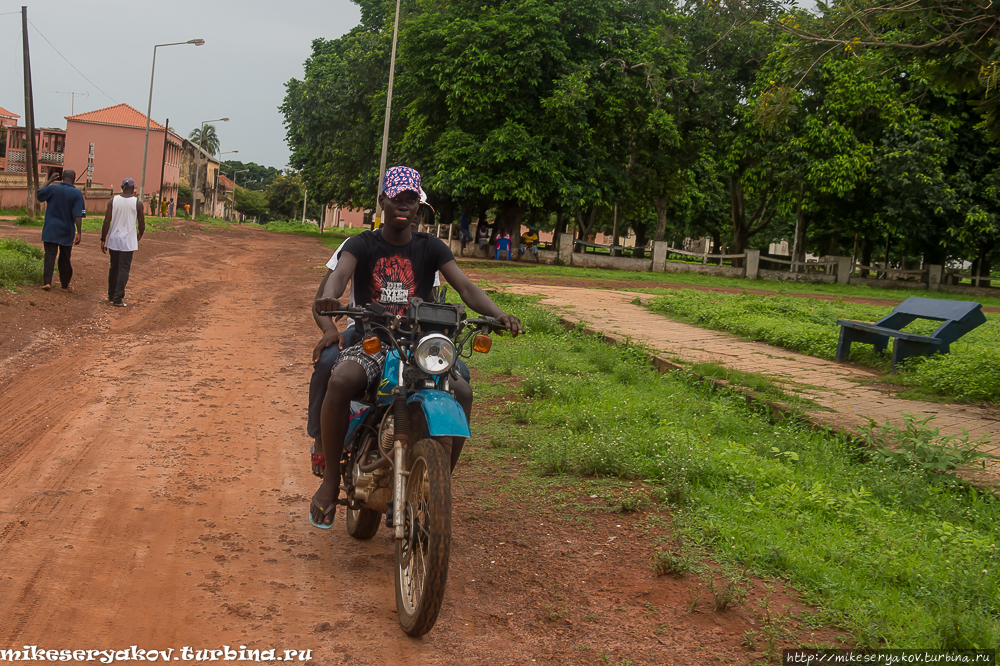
15, 156
50, 158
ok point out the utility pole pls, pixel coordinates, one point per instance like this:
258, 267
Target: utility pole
305, 198
31, 158
385, 130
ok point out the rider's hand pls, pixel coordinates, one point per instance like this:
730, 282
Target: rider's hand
326, 304
511, 323
329, 339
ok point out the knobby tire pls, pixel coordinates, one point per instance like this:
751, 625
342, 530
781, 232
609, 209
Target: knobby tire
421, 582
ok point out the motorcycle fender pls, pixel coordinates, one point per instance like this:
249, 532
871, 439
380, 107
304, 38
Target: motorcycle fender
444, 415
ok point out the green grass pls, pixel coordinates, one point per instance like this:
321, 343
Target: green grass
332, 238
897, 556
600, 276
971, 372
20, 263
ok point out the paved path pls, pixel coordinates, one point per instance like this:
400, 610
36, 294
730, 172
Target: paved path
838, 387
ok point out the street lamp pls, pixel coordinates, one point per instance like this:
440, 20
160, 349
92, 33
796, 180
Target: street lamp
197, 166
149, 109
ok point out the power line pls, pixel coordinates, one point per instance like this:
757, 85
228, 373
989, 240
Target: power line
69, 63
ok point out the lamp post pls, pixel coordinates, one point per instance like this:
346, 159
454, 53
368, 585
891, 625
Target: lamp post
197, 166
235, 174
149, 109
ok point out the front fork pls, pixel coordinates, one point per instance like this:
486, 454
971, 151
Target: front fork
401, 440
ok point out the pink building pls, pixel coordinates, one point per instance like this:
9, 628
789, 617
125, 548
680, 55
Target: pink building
335, 216
105, 146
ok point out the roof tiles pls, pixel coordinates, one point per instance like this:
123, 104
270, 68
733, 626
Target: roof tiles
9, 114
121, 115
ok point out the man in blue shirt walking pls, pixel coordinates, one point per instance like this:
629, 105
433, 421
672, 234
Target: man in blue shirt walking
65, 210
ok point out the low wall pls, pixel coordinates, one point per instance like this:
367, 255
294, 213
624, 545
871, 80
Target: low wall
785, 276
586, 260
703, 269
17, 197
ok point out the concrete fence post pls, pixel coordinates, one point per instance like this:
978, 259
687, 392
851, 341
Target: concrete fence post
660, 256
751, 265
566, 248
843, 269
934, 274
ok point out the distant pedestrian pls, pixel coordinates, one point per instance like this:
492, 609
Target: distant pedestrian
65, 209
464, 223
187, 209
163, 208
124, 225
170, 208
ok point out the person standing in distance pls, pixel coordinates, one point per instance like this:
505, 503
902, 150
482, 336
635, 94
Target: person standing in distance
124, 225
65, 210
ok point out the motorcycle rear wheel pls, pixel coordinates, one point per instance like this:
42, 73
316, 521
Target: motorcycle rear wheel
363, 524
422, 557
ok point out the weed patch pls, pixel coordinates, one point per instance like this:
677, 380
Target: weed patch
20, 263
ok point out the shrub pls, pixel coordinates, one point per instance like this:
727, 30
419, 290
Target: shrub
20, 263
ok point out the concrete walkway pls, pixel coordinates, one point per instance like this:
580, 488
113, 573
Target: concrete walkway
838, 387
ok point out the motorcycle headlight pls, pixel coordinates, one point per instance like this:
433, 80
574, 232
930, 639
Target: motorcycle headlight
435, 354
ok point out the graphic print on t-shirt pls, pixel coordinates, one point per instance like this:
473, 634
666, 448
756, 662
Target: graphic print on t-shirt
393, 283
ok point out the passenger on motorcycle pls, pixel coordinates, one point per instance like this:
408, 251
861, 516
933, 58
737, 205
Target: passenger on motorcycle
388, 267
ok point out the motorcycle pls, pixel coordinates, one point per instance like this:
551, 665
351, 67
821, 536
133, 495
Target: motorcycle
397, 453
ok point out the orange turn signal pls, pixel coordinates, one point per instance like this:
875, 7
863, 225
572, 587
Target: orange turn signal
482, 343
372, 345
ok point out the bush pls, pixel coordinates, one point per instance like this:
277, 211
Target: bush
25, 221
20, 263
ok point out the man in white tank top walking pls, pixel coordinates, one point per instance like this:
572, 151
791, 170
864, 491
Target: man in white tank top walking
124, 225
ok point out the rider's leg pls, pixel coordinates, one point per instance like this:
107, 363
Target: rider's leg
347, 381
463, 393
317, 393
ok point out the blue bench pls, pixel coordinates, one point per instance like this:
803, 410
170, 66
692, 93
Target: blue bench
958, 317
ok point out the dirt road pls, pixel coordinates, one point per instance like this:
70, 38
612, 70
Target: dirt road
154, 488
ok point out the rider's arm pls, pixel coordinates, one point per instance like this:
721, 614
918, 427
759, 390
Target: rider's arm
334, 284
476, 298
325, 323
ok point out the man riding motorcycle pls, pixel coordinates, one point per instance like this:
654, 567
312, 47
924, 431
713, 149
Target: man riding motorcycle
389, 268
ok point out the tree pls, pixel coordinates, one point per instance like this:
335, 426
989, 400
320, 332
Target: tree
250, 203
955, 43
208, 141
253, 176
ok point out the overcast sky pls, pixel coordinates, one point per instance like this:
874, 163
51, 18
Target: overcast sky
252, 47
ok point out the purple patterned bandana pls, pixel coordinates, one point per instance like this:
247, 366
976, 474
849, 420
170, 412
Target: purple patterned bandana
401, 179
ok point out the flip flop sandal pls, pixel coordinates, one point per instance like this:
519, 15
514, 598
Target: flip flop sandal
325, 512
68, 290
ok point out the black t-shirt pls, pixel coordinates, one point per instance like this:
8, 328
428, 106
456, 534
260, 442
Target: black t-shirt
391, 274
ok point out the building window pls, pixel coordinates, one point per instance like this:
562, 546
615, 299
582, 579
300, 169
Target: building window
60, 143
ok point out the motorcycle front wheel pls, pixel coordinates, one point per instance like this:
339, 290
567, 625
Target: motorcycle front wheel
422, 555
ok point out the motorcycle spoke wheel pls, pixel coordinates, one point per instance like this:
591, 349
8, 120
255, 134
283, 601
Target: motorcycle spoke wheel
422, 555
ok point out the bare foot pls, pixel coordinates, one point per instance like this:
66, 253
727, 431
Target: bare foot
46, 287
67, 289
